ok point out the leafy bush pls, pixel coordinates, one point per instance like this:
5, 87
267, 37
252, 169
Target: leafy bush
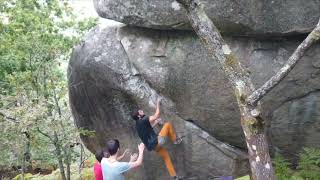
247, 177
86, 174
308, 166
281, 166
26, 177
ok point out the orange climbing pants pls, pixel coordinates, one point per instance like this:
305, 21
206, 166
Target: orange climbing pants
167, 131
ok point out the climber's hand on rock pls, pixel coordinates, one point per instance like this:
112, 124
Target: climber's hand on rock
141, 147
159, 100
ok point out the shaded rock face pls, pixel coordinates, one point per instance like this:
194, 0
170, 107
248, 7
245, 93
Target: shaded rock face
241, 17
117, 69
304, 126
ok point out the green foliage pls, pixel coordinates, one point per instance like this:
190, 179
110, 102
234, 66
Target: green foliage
247, 177
86, 174
86, 132
282, 168
308, 166
90, 161
36, 38
27, 176
36, 33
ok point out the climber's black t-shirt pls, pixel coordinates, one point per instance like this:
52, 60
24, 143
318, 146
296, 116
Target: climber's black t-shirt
146, 133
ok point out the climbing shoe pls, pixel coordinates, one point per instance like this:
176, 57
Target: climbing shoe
177, 178
178, 140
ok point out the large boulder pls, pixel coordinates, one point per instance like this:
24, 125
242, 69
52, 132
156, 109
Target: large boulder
105, 85
116, 69
240, 17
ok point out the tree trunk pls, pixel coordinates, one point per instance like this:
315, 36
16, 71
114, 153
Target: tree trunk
247, 96
68, 168
22, 170
67, 160
59, 155
81, 160
259, 158
26, 155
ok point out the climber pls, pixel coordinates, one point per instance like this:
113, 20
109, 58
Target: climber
112, 169
152, 141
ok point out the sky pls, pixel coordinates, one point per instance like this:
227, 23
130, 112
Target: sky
85, 8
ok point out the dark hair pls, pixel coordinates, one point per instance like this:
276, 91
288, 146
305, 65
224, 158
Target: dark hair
113, 146
99, 155
135, 114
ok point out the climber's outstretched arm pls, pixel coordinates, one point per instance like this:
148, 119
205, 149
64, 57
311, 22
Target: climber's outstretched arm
124, 153
156, 115
138, 162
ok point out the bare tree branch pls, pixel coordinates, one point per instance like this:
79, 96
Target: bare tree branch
314, 36
56, 99
11, 119
82, 154
45, 134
